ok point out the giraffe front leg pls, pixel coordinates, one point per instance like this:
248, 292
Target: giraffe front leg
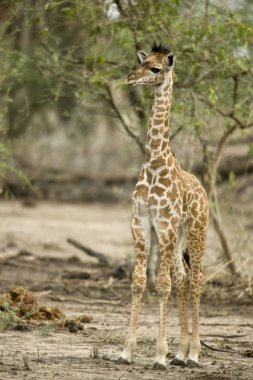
163, 288
161, 344
141, 233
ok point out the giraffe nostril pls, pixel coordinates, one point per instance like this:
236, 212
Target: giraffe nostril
130, 76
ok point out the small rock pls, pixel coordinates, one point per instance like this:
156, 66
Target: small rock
85, 318
24, 253
248, 354
22, 327
74, 260
73, 328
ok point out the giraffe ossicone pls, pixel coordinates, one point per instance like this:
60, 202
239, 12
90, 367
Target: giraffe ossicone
175, 204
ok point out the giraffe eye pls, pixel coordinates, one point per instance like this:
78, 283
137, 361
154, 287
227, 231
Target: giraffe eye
155, 70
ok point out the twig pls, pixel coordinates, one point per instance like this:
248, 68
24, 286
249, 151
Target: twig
61, 299
90, 252
228, 324
224, 243
213, 348
219, 269
225, 336
45, 293
244, 263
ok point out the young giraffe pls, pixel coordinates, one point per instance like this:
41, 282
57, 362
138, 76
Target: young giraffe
175, 204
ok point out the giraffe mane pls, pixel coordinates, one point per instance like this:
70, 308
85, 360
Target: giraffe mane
160, 48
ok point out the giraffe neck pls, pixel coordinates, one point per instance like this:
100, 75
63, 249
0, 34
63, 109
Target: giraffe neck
157, 145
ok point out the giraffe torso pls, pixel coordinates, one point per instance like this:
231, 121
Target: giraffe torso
169, 195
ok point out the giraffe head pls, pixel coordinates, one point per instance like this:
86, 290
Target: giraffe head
154, 67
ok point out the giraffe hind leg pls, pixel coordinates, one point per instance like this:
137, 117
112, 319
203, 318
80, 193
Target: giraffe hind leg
196, 241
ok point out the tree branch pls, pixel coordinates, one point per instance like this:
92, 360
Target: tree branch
197, 80
224, 243
177, 131
229, 115
111, 101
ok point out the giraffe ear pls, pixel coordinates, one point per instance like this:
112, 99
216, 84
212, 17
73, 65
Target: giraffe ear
171, 60
142, 55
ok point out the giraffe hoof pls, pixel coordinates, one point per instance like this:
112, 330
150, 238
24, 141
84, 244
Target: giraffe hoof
191, 363
121, 360
178, 362
159, 366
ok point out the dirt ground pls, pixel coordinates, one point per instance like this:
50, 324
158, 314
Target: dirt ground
35, 255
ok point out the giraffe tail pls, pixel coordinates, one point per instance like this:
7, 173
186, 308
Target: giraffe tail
186, 257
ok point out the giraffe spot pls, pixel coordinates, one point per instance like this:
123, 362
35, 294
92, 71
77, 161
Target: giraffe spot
185, 208
197, 224
165, 181
170, 160
157, 190
162, 130
160, 116
158, 121
166, 212
163, 202
164, 172
155, 131
174, 189
174, 221
153, 201
166, 134
158, 162
167, 88
164, 225
156, 143
140, 246
142, 175
203, 218
142, 190
165, 143
160, 109
149, 176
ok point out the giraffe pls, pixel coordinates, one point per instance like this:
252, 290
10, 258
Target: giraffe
175, 204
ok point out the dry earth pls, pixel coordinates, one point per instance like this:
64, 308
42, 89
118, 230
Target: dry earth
35, 255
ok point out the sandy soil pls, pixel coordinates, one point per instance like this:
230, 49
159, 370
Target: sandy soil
49, 263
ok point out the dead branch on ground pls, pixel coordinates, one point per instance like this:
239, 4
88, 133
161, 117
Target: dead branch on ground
90, 252
213, 348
